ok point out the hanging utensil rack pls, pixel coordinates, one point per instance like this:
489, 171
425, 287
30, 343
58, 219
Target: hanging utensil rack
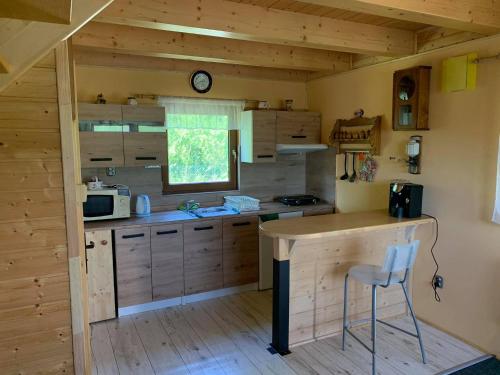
360, 134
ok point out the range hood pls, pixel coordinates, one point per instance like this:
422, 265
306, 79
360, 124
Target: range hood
299, 148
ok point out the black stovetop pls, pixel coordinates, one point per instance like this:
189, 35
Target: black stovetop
298, 200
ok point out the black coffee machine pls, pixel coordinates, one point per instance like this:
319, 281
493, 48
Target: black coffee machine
405, 199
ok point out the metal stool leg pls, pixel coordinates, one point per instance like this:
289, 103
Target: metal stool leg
419, 335
374, 328
344, 324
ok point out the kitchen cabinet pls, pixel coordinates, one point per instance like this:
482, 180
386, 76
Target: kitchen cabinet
202, 256
133, 266
167, 260
100, 274
99, 112
143, 149
298, 127
240, 250
316, 212
101, 149
258, 137
133, 114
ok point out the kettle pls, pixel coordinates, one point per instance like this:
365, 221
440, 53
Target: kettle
142, 205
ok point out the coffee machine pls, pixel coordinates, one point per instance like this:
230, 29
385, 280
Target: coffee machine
405, 199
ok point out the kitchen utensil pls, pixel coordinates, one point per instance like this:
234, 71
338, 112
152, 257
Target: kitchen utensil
353, 176
94, 184
142, 205
345, 176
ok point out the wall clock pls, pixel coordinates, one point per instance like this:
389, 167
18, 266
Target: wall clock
201, 81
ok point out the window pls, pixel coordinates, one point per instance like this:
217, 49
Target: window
201, 145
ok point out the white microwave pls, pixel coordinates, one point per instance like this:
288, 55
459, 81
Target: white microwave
107, 203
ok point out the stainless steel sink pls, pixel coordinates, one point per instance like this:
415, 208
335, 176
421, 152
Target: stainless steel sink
213, 212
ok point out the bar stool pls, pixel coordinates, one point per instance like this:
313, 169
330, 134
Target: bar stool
399, 260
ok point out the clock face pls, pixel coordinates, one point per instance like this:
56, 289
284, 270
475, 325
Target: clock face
201, 81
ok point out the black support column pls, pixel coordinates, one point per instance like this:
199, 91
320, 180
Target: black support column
281, 305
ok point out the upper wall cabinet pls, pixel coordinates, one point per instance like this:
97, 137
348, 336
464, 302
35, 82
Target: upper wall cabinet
114, 135
102, 149
410, 102
298, 127
262, 130
143, 149
258, 136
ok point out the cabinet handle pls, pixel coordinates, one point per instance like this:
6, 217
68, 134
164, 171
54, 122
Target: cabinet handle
145, 158
126, 236
265, 156
241, 224
299, 136
203, 228
91, 245
101, 159
167, 232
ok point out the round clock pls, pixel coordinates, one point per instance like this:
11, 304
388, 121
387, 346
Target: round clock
201, 81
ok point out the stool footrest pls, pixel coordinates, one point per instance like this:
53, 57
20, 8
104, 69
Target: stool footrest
358, 340
397, 328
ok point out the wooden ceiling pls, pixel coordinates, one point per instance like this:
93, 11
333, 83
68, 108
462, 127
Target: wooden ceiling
296, 37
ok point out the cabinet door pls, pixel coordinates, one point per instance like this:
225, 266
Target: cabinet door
167, 261
258, 137
143, 114
101, 149
240, 250
99, 112
133, 266
316, 212
298, 127
202, 256
101, 276
143, 149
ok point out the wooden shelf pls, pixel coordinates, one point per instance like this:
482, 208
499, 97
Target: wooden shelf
359, 134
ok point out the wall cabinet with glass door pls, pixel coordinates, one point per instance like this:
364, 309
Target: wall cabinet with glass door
121, 135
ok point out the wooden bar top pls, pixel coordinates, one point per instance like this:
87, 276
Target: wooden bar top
312, 227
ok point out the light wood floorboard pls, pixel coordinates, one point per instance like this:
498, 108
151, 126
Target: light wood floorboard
230, 335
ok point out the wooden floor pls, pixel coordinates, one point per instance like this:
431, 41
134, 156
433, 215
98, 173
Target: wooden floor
229, 335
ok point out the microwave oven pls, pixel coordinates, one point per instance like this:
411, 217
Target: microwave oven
107, 203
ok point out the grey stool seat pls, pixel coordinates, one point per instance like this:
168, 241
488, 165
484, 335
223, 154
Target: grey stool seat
373, 275
399, 260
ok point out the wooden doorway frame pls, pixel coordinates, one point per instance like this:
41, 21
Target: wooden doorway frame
74, 195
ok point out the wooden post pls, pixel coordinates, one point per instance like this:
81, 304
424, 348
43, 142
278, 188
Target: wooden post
74, 215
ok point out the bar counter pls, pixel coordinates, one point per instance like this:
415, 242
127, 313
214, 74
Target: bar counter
311, 257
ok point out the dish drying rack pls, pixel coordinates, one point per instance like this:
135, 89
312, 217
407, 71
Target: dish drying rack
359, 135
241, 203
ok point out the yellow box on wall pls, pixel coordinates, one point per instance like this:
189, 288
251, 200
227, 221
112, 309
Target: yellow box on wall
459, 73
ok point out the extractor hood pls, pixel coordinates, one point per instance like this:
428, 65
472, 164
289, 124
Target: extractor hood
299, 148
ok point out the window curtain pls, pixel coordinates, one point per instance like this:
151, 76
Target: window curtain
191, 113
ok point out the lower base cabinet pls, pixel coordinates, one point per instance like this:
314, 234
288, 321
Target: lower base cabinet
133, 266
100, 274
167, 260
202, 256
240, 250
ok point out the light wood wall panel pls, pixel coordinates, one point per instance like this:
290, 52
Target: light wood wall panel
35, 317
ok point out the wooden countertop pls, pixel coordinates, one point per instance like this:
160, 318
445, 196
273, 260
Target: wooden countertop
311, 227
176, 216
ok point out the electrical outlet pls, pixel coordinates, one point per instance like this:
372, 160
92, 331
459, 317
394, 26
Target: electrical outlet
439, 281
110, 171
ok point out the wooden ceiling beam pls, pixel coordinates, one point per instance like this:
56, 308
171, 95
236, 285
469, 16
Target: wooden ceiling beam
168, 44
232, 20
23, 43
479, 16
89, 57
53, 11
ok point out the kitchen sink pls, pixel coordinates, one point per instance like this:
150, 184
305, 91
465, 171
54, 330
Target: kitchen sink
213, 212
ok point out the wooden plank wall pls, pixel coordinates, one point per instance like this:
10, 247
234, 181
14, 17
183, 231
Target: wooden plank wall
35, 316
